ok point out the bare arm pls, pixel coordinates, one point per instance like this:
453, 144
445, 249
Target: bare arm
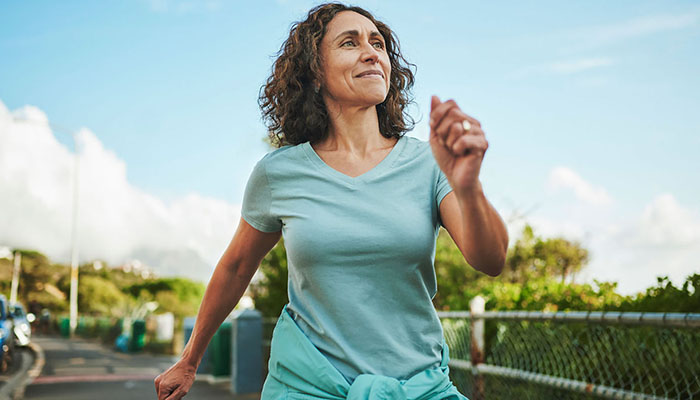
477, 229
231, 277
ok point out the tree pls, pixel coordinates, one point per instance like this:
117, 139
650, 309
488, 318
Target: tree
37, 280
533, 257
457, 281
179, 296
270, 292
98, 296
665, 297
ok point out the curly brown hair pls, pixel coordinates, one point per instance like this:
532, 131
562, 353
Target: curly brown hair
295, 113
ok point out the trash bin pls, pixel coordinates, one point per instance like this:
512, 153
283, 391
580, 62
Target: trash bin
204, 365
246, 354
65, 327
138, 335
220, 350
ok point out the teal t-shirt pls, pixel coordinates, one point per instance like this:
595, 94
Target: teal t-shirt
360, 253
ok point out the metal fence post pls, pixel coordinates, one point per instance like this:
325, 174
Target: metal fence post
246, 351
477, 307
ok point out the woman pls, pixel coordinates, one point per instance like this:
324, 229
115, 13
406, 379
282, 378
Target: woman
360, 206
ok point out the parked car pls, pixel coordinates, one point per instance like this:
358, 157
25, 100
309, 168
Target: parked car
7, 343
22, 321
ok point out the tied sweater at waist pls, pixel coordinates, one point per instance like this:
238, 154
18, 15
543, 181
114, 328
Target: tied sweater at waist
298, 370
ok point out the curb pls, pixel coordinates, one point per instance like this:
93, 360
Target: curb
211, 379
14, 388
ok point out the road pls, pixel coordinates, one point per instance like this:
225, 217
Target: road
79, 369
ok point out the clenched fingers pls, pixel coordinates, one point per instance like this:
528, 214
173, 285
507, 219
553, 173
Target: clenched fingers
470, 144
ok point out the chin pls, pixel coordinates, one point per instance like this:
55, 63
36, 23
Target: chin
376, 99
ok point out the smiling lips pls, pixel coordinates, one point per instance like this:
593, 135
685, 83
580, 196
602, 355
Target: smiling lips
371, 73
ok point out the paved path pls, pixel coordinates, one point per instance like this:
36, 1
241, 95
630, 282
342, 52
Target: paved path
79, 369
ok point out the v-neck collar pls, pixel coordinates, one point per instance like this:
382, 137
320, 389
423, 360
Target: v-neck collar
375, 171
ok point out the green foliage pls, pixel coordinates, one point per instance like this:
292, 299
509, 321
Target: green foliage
534, 278
665, 297
270, 293
119, 277
38, 280
457, 281
110, 292
97, 296
534, 257
183, 289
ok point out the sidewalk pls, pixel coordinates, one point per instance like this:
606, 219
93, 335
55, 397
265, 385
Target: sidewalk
80, 369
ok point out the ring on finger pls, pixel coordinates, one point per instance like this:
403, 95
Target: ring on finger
466, 125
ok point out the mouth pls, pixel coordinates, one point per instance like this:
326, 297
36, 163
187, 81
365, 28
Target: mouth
371, 74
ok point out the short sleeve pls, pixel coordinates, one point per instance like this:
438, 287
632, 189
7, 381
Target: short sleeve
257, 201
442, 189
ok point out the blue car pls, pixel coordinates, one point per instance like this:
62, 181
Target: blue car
22, 329
7, 342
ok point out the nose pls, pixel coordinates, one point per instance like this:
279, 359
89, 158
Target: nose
369, 53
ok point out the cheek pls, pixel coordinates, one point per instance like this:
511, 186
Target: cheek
387, 71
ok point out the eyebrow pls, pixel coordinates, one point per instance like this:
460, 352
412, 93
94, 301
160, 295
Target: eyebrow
355, 32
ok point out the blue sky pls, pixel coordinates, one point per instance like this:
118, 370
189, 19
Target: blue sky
590, 108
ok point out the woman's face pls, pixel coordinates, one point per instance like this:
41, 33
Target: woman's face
354, 60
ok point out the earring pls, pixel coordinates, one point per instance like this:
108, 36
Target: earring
317, 88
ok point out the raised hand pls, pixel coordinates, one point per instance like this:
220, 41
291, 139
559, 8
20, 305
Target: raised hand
457, 151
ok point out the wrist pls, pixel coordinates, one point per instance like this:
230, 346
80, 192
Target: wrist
189, 360
470, 192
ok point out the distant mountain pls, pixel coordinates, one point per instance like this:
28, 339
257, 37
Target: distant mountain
176, 262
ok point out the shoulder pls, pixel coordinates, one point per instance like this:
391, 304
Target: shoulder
282, 155
284, 162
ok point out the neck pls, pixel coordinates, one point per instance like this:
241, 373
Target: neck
353, 130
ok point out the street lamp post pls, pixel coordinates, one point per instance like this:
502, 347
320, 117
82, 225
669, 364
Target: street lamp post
16, 257
74, 247
74, 229
15, 277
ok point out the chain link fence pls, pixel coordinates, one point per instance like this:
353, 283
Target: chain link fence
568, 355
574, 355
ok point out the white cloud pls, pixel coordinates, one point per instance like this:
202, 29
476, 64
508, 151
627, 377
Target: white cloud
665, 223
663, 240
116, 221
563, 177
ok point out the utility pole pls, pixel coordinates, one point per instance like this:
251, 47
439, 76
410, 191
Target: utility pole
74, 246
15, 277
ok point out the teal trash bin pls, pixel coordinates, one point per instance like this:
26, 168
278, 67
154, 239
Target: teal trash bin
138, 335
65, 327
220, 350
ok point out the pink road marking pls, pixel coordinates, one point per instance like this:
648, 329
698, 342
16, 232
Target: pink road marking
43, 380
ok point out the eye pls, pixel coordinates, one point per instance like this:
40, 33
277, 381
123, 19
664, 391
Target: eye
349, 41
381, 45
